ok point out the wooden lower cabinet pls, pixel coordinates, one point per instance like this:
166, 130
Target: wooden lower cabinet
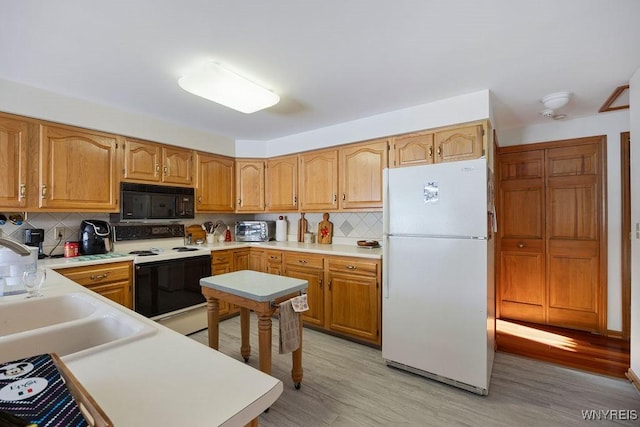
353, 298
343, 295
113, 280
222, 262
309, 267
273, 262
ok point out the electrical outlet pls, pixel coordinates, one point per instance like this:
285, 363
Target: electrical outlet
59, 233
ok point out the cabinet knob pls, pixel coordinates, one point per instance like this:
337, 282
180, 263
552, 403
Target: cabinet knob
335, 198
23, 191
439, 152
165, 170
302, 261
521, 245
430, 152
157, 169
320, 283
99, 276
44, 191
350, 267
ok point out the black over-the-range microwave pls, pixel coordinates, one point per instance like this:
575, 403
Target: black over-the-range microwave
147, 201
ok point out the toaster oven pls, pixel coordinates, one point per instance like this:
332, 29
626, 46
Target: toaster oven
255, 231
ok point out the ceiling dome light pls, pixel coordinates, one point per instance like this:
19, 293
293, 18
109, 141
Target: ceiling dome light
220, 85
556, 100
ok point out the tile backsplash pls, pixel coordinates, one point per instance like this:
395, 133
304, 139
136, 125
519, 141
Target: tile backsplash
347, 227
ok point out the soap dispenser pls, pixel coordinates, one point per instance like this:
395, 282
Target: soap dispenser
227, 235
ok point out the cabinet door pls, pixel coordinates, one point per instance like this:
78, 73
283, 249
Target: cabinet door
177, 166
282, 184
463, 143
412, 150
119, 292
361, 174
319, 180
521, 278
13, 162
315, 293
241, 260
223, 306
78, 170
352, 305
142, 160
250, 185
256, 260
273, 261
215, 183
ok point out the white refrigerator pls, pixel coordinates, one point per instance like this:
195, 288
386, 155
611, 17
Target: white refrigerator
438, 317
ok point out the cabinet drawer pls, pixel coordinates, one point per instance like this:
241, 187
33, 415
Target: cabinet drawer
96, 274
303, 259
273, 257
353, 266
221, 257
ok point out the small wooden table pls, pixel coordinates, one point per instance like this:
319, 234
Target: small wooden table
260, 292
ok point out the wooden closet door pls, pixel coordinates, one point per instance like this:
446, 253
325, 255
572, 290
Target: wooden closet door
574, 203
521, 279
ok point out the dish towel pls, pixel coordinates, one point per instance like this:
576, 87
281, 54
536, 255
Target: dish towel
289, 328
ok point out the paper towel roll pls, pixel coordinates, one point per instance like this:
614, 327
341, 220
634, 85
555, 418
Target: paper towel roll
281, 230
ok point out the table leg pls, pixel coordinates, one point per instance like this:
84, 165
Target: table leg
212, 321
296, 359
245, 320
264, 341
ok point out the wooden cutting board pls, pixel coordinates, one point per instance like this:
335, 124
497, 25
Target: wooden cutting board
197, 233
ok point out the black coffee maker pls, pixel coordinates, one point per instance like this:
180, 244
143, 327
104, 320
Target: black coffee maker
95, 237
34, 237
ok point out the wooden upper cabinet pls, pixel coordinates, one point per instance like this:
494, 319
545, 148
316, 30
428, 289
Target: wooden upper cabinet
13, 162
177, 165
78, 169
157, 163
360, 170
282, 184
215, 183
319, 180
412, 150
463, 143
250, 185
437, 146
142, 160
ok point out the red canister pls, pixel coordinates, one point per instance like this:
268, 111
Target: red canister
71, 249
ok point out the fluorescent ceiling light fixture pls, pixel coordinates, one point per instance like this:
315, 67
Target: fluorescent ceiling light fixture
220, 85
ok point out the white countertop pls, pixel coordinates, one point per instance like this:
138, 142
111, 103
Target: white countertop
166, 379
332, 249
255, 285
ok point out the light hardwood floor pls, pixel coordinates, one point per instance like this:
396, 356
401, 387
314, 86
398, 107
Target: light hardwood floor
347, 384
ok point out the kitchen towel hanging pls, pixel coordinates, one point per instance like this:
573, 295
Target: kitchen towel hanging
289, 322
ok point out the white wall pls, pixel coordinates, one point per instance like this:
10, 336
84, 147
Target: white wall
459, 109
634, 86
37, 103
610, 124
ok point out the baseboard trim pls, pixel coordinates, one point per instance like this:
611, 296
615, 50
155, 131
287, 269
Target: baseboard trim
635, 380
614, 334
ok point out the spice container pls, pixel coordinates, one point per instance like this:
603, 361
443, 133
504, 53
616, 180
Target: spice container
71, 249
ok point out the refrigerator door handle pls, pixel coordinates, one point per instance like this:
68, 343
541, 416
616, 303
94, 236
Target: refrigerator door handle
385, 269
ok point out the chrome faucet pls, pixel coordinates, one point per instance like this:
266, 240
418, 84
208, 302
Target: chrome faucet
17, 247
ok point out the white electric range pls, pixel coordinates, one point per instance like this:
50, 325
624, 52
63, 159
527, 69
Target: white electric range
167, 274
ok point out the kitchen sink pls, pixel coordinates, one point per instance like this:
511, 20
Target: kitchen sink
28, 314
73, 325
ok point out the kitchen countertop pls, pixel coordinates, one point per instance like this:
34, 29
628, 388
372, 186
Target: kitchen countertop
165, 378
332, 249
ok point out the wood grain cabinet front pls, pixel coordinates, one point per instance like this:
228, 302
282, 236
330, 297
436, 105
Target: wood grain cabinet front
309, 267
78, 169
157, 163
14, 134
250, 185
353, 298
221, 263
215, 183
112, 280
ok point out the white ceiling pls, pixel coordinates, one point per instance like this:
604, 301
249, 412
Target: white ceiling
331, 61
